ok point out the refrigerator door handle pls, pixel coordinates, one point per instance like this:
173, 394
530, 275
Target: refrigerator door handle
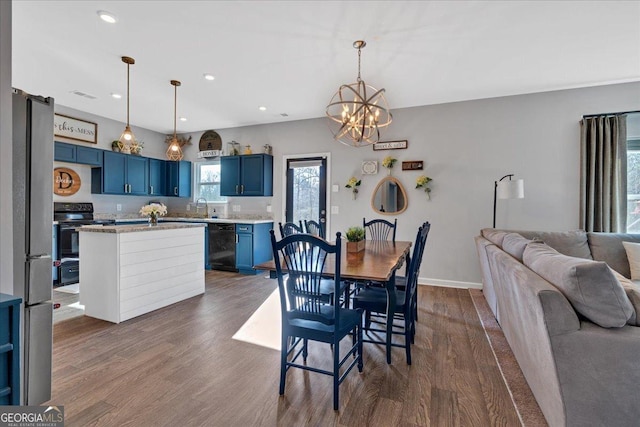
40, 256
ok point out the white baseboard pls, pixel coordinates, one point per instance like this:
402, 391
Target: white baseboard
448, 283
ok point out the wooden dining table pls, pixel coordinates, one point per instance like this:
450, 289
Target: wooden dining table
378, 262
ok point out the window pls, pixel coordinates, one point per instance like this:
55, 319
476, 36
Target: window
633, 185
207, 176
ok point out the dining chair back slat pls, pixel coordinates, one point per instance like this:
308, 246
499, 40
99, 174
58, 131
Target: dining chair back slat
380, 229
289, 228
314, 227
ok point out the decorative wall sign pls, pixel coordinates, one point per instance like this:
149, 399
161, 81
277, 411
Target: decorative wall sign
413, 165
66, 182
369, 167
76, 129
210, 145
390, 145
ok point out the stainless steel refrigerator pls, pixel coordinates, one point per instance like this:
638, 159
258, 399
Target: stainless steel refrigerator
32, 220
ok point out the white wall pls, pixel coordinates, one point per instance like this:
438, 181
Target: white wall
466, 146
6, 195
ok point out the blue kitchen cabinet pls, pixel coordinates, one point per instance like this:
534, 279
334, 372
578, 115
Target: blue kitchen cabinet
9, 350
121, 174
89, 156
63, 152
157, 177
253, 246
178, 179
248, 175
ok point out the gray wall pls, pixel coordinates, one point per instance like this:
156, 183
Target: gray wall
466, 146
6, 235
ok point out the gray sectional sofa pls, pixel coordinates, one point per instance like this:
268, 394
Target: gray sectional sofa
570, 319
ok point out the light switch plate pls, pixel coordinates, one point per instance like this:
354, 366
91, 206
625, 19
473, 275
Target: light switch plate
335, 210
118, 207
335, 188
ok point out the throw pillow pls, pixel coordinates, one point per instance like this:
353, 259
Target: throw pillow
494, 236
590, 286
633, 255
633, 293
514, 245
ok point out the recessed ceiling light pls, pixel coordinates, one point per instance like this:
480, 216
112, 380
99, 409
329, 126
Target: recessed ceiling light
209, 77
107, 16
116, 95
262, 108
183, 119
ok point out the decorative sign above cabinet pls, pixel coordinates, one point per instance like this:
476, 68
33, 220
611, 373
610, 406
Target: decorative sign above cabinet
76, 129
66, 182
210, 145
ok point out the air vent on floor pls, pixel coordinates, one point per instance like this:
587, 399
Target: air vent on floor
85, 95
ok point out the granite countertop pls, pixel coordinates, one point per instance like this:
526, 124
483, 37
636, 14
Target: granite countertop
131, 228
200, 220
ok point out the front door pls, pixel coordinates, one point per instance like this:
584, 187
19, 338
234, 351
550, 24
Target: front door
307, 190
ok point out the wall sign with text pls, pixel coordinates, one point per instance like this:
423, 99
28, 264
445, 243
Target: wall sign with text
390, 145
76, 129
66, 182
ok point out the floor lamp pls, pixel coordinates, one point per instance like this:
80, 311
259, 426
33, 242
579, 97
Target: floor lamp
511, 189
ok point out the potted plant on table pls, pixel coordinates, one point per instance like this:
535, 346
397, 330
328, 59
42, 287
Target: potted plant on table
355, 239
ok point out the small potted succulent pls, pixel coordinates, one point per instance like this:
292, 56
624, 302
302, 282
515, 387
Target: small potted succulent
115, 146
355, 239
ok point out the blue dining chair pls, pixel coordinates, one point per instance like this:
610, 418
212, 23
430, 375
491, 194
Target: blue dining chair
300, 261
401, 280
314, 227
289, 228
379, 229
374, 303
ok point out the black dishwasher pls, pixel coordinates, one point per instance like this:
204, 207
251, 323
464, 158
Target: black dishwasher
222, 247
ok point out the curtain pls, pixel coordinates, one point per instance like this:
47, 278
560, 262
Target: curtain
603, 173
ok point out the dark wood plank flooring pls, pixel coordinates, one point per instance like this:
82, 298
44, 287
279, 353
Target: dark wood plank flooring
179, 366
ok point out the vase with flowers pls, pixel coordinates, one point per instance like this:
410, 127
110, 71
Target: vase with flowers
423, 182
353, 184
153, 211
388, 163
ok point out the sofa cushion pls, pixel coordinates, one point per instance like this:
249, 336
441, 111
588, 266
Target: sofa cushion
632, 289
494, 236
608, 247
633, 256
514, 245
572, 243
589, 285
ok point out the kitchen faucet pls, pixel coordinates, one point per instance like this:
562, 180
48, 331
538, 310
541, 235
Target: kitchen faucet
201, 199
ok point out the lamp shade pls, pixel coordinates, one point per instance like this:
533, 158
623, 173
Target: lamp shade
511, 189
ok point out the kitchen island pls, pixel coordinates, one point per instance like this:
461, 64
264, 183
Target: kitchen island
130, 270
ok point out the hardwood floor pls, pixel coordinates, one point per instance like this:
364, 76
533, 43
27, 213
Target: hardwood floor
179, 366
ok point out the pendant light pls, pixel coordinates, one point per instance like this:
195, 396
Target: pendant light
174, 152
357, 112
127, 138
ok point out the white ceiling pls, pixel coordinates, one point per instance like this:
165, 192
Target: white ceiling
291, 56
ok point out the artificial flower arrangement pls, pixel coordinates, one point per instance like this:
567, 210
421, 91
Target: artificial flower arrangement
388, 162
153, 211
353, 184
423, 182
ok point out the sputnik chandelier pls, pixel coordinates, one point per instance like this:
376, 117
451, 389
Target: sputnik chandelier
357, 112
174, 152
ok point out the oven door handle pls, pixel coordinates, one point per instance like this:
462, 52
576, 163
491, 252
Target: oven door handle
39, 256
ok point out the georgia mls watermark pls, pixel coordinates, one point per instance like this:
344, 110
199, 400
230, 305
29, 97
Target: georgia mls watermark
31, 416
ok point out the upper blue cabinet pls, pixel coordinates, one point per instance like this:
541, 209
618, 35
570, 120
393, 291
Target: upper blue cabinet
248, 175
178, 179
121, 174
72, 153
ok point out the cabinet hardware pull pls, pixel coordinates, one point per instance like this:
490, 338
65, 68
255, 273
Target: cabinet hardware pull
241, 188
175, 191
125, 188
237, 189
236, 239
151, 186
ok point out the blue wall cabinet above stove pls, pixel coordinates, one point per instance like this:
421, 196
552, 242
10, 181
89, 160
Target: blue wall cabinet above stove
89, 156
72, 153
248, 175
121, 174
157, 177
178, 179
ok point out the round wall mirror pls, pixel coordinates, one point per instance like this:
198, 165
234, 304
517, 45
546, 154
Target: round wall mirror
389, 197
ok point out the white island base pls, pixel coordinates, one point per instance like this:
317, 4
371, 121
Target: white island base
130, 270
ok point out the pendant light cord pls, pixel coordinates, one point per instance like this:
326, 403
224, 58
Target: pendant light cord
175, 108
128, 65
359, 55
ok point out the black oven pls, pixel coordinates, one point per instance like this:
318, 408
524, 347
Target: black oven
70, 217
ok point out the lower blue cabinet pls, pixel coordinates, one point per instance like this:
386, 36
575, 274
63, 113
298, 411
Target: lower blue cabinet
253, 246
9, 350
